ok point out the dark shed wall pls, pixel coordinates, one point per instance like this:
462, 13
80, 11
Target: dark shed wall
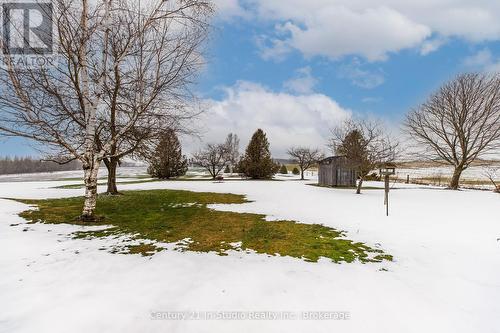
334, 171
326, 175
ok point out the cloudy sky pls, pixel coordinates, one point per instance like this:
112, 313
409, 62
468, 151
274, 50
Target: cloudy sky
295, 68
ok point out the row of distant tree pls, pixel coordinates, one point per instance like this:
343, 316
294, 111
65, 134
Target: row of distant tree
167, 161
12, 165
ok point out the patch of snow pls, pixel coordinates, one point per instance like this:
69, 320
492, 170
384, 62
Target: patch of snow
185, 205
236, 245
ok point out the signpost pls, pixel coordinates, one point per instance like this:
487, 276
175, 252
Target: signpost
386, 171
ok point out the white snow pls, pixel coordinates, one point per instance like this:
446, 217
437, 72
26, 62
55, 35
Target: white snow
445, 277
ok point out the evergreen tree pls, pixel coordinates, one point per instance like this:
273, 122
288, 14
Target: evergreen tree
257, 162
283, 170
227, 169
296, 171
167, 160
355, 148
365, 146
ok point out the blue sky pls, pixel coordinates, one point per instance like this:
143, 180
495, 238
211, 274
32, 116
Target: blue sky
296, 68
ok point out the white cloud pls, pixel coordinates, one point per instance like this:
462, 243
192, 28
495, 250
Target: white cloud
302, 83
431, 45
373, 28
336, 32
229, 9
361, 77
473, 20
483, 60
371, 100
272, 48
287, 119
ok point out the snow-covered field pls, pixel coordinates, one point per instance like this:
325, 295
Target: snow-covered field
64, 175
477, 174
445, 277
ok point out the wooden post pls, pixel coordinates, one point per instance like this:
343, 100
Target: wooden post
387, 171
407, 179
386, 199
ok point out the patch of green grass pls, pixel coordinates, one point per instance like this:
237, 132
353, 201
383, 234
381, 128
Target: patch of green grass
78, 186
144, 249
143, 176
183, 218
68, 179
348, 187
183, 178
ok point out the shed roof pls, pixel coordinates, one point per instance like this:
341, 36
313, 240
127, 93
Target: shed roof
388, 165
329, 159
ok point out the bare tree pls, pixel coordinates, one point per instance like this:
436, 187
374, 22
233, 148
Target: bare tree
459, 123
102, 95
493, 174
304, 157
366, 146
214, 157
155, 74
233, 150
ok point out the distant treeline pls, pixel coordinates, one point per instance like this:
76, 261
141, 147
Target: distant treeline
11, 165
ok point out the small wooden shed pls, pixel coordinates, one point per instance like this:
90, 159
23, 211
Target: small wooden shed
336, 171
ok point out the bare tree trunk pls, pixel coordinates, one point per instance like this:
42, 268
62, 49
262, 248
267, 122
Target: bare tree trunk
111, 165
90, 178
455, 180
301, 174
358, 187
90, 169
